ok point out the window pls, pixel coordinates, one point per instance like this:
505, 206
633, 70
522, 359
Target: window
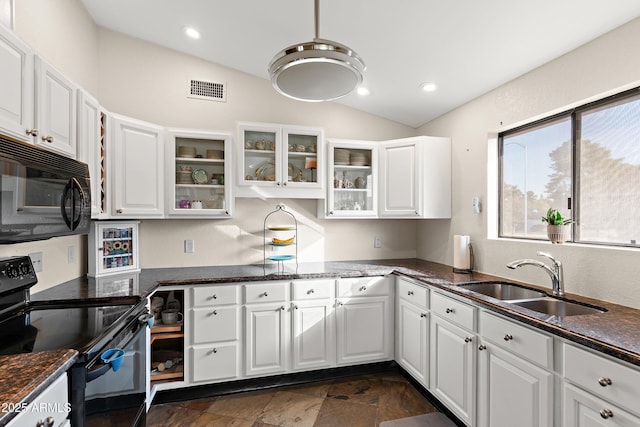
584, 162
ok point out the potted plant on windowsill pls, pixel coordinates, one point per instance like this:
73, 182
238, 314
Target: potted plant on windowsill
557, 226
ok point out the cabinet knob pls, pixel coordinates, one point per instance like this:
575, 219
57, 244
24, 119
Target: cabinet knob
449, 310
295, 306
264, 294
410, 293
47, 138
340, 304
604, 381
468, 339
330, 212
606, 413
214, 296
278, 184
214, 312
32, 132
310, 291
482, 347
119, 211
281, 308
423, 314
214, 350
49, 422
508, 337
284, 183
363, 288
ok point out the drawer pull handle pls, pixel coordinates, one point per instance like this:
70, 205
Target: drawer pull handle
410, 293
482, 347
215, 350
264, 294
604, 381
363, 288
508, 337
606, 413
310, 291
468, 339
214, 312
449, 310
214, 296
423, 314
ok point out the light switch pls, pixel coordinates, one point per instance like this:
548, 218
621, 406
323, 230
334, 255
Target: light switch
475, 204
189, 247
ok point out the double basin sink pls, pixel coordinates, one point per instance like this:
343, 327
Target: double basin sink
532, 299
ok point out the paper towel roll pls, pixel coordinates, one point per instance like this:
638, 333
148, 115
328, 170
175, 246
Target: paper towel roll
461, 253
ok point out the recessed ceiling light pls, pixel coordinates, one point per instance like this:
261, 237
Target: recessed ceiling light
428, 87
363, 91
192, 32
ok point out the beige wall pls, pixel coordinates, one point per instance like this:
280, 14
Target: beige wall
600, 67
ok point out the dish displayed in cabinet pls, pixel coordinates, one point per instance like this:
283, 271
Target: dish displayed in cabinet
280, 237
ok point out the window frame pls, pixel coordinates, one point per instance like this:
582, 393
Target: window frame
574, 115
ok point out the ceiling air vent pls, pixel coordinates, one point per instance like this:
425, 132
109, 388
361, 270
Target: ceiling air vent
211, 91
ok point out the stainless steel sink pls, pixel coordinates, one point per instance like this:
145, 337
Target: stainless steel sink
504, 291
557, 307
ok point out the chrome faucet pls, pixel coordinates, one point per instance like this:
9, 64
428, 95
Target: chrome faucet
556, 274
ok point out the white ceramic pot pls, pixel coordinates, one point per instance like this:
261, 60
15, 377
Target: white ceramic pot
558, 233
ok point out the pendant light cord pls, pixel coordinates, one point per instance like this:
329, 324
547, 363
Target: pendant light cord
316, 17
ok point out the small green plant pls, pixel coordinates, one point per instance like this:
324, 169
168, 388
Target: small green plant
554, 217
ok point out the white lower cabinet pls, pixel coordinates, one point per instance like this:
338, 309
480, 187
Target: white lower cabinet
266, 328
364, 323
510, 388
215, 340
453, 367
599, 391
412, 329
313, 324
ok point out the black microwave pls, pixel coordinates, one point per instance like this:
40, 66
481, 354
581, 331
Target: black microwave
42, 194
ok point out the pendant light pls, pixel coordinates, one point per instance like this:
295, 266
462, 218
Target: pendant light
319, 70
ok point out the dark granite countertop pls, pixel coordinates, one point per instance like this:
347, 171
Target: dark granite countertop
24, 376
615, 332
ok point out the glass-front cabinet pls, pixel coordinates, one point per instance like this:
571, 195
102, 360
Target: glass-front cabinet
113, 248
198, 174
353, 168
280, 161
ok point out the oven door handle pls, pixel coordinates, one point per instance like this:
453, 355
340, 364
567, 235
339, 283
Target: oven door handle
99, 369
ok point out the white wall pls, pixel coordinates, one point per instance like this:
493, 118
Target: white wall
601, 67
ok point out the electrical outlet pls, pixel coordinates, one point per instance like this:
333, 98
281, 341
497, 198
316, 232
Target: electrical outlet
189, 247
377, 242
71, 254
36, 260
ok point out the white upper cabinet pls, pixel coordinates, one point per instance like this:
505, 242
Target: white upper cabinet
351, 180
55, 110
91, 148
280, 161
199, 174
415, 178
16, 86
136, 161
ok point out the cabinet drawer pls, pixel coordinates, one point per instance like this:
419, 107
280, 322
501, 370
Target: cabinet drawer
265, 292
517, 339
365, 286
413, 293
603, 377
215, 362
216, 324
453, 310
312, 289
215, 295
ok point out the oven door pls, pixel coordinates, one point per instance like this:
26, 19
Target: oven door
118, 397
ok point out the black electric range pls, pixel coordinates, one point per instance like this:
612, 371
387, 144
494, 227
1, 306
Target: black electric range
98, 392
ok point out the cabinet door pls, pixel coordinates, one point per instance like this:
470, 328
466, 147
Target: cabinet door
511, 389
364, 329
452, 372
259, 158
90, 147
413, 339
136, 168
55, 110
266, 338
16, 86
206, 179
313, 334
582, 409
399, 179
352, 180
303, 162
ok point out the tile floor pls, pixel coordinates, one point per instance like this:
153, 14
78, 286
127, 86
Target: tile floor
356, 401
